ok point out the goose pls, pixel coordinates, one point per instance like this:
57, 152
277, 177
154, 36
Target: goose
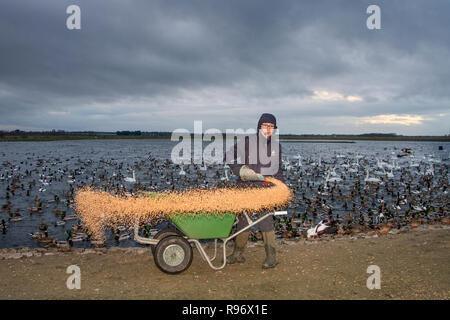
131, 180
367, 179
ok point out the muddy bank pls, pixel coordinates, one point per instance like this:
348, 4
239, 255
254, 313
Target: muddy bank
414, 265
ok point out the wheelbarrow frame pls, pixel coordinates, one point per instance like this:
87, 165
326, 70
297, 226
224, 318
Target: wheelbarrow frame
203, 254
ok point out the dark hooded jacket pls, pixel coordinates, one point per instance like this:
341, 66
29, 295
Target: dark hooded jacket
233, 153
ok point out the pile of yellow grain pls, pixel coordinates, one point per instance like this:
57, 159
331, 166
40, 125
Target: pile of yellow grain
99, 210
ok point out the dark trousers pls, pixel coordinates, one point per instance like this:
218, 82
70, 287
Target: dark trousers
265, 225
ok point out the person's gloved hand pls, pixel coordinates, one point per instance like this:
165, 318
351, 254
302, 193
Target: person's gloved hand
248, 174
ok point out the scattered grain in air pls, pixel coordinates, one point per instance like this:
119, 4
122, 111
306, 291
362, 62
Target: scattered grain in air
99, 210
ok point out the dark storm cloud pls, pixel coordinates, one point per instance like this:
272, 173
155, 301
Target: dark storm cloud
158, 65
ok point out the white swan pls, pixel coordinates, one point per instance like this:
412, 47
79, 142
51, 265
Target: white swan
367, 179
332, 179
345, 165
430, 171
131, 180
226, 176
333, 172
389, 174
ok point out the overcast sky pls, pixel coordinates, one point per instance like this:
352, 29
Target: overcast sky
160, 65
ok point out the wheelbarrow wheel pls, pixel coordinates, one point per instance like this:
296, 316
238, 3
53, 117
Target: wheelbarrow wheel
164, 233
173, 254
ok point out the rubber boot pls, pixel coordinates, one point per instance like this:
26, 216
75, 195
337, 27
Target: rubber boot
239, 246
269, 246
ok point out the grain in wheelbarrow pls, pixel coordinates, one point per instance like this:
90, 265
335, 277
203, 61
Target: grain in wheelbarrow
99, 210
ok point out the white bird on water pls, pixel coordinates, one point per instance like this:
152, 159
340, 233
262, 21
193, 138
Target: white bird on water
131, 180
332, 179
226, 176
367, 179
389, 174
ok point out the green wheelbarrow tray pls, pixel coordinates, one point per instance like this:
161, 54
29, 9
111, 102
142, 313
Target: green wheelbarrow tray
173, 250
204, 226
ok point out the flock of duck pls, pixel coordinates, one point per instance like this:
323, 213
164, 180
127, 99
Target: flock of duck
344, 193
350, 194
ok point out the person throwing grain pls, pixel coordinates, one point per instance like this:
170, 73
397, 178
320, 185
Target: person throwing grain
257, 157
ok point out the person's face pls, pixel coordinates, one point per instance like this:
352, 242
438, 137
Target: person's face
267, 129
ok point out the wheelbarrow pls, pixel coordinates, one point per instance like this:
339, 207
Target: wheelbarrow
171, 247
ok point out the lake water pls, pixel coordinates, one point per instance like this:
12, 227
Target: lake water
58, 166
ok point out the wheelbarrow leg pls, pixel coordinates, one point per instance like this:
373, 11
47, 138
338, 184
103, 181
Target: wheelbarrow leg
201, 253
225, 240
207, 258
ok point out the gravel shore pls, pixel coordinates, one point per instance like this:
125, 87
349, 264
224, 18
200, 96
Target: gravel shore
413, 264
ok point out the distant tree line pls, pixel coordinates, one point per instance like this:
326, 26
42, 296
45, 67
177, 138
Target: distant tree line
129, 133
54, 132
